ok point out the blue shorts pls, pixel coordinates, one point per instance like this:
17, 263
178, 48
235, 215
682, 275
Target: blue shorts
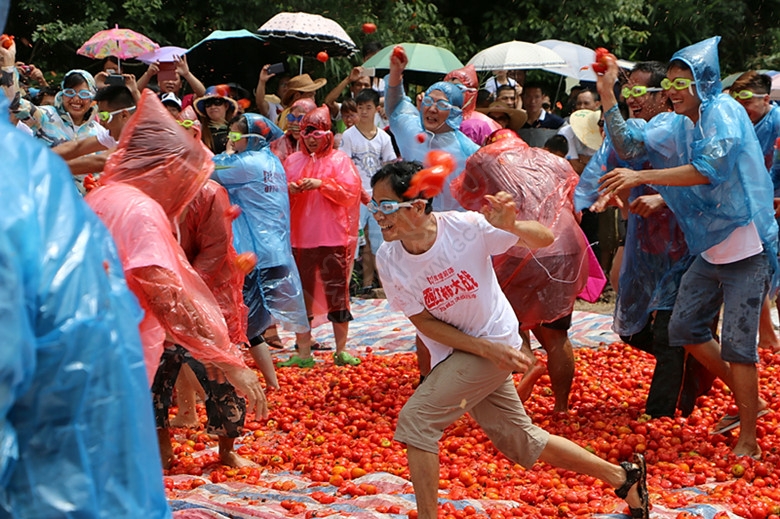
740, 287
373, 232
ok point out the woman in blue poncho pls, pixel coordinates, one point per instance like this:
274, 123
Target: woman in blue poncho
256, 182
711, 174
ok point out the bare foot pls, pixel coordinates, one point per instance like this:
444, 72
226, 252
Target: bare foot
527, 383
232, 459
185, 419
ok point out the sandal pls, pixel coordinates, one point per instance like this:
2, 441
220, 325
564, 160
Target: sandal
731, 421
636, 474
316, 346
275, 342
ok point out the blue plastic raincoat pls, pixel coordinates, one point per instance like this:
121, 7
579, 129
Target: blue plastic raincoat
655, 254
406, 124
722, 146
77, 435
768, 131
256, 182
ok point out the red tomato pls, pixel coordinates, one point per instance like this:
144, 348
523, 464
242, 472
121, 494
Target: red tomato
600, 65
246, 262
232, 212
322, 56
369, 28
6, 40
399, 52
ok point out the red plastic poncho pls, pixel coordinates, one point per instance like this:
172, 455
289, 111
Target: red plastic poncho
287, 145
328, 216
541, 286
206, 235
154, 174
467, 76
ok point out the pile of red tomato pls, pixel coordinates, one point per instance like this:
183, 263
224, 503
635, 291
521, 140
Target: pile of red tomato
334, 424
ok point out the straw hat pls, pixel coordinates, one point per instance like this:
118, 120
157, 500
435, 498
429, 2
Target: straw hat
302, 83
517, 117
585, 125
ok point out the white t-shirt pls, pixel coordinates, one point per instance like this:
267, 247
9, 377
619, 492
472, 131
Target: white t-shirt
576, 146
454, 280
368, 155
743, 242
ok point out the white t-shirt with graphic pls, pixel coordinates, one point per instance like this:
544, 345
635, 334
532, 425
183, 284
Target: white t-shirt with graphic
368, 155
454, 280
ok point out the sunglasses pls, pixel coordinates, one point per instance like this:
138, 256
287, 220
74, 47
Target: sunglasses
237, 136
214, 102
107, 117
186, 123
746, 94
83, 94
679, 83
387, 206
638, 91
294, 118
317, 134
441, 104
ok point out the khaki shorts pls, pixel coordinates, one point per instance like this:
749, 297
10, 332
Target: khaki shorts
465, 383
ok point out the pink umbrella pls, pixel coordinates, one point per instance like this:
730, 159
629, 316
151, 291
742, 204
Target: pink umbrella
162, 54
121, 43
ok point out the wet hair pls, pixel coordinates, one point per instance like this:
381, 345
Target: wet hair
753, 81
240, 120
557, 144
368, 95
400, 174
656, 69
349, 105
73, 80
116, 96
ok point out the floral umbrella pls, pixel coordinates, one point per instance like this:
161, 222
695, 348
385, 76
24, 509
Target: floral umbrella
121, 43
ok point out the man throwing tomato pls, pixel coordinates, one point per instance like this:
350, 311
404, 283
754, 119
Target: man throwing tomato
437, 269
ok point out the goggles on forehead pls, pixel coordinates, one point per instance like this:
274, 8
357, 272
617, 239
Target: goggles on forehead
746, 94
83, 94
638, 91
679, 83
237, 136
387, 206
441, 104
106, 117
187, 123
317, 134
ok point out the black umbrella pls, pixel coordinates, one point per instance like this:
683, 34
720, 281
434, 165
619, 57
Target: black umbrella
231, 57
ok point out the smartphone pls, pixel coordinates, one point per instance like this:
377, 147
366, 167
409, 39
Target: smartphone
115, 79
167, 72
276, 68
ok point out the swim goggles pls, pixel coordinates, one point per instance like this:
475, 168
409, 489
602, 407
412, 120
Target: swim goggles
107, 117
441, 104
387, 206
638, 91
746, 94
679, 83
83, 94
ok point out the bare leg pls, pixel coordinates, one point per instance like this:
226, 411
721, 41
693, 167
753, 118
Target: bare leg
767, 337
271, 336
187, 387
262, 357
614, 271
560, 363
537, 369
560, 452
742, 379
166, 449
304, 341
424, 470
368, 262
230, 457
340, 332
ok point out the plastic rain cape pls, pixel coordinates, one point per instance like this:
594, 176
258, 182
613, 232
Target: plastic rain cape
256, 182
148, 181
543, 186
77, 435
328, 216
722, 146
406, 125
655, 254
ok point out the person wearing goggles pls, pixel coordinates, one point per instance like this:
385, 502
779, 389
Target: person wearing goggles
325, 191
291, 141
709, 168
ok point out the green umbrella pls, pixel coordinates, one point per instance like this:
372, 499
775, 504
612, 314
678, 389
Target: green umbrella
426, 61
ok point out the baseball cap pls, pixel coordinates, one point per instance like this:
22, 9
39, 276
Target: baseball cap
171, 98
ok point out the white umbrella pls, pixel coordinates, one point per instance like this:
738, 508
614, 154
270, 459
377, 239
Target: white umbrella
578, 60
307, 34
516, 55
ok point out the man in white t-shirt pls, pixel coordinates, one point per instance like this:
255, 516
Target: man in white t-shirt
437, 269
369, 148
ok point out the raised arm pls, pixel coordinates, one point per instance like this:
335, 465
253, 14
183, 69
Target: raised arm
501, 213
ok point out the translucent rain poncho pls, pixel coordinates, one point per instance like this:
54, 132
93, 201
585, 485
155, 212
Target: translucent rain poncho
768, 131
655, 254
722, 146
155, 173
407, 127
256, 182
77, 436
542, 284
467, 76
